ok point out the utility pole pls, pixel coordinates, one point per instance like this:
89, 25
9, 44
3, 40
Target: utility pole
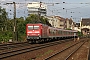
39, 13
15, 24
15, 37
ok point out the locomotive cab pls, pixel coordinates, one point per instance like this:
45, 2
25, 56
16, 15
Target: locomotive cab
33, 31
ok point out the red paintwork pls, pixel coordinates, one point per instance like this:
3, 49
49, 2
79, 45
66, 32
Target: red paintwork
33, 32
44, 31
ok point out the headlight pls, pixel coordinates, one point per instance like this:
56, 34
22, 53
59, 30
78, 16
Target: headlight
27, 34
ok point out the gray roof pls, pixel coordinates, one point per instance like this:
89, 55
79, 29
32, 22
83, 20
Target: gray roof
85, 22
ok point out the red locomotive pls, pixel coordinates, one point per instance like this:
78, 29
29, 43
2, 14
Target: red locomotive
40, 33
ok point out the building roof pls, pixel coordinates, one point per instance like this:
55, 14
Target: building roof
60, 18
85, 21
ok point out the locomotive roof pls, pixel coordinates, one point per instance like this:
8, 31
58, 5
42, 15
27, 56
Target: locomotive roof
34, 23
37, 23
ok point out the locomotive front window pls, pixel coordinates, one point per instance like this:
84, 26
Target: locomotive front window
36, 27
30, 27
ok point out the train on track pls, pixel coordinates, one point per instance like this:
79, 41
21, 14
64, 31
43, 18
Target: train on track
39, 32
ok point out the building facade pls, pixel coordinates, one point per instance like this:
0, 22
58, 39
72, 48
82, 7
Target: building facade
77, 27
53, 21
85, 26
38, 8
60, 22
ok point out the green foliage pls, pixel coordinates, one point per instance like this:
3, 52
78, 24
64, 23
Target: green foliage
5, 36
3, 18
7, 33
36, 19
32, 19
44, 21
80, 34
21, 28
68, 29
10, 25
21, 24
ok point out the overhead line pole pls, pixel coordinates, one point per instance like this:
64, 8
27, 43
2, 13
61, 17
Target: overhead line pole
15, 37
15, 24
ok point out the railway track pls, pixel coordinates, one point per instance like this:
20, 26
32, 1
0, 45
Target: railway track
88, 55
74, 51
7, 54
53, 57
13, 45
88, 58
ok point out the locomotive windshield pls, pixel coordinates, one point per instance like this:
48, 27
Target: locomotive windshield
33, 27
36, 27
30, 27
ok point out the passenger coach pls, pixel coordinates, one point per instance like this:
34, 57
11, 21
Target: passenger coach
40, 33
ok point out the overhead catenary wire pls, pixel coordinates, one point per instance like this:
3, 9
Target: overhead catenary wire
21, 8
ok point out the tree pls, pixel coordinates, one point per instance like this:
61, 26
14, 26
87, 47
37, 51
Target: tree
3, 18
44, 21
33, 18
21, 25
10, 25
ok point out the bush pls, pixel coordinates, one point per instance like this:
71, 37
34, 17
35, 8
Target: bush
5, 36
80, 34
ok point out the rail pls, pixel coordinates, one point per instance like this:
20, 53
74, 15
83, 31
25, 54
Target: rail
74, 51
28, 49
62, 50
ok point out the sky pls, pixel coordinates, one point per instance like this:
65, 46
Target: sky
75, 9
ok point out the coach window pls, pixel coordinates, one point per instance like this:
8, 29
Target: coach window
67, 33
61, 32
36, 27
70, 33
30, 27
58, 32
55, 31
50, 31
64, 32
